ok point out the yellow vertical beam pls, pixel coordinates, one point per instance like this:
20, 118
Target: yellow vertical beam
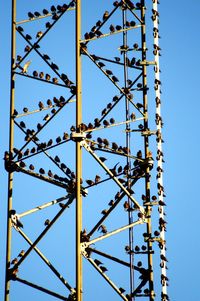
146, 146
11, 143
78, 155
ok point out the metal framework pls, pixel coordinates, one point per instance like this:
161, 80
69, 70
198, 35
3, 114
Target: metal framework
134, 186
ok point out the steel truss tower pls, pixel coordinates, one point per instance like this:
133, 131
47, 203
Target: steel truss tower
100, 145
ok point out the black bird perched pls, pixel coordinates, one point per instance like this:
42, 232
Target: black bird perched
41, 75
41, 171
114, 146
112, 28
98, 262
102, 159
47, 77
117, 59
57, 159
30, 15
54, 66
105, 122
104, 269
47, 222
40, 105
28, 37
58, 139
53, 9
37, 14
113, 170
101, 65
112, 120
45, 11
22, 124
46, 57
115, 79
31, 167
109, 72
48, 25
35, 73
103, 229
118, 27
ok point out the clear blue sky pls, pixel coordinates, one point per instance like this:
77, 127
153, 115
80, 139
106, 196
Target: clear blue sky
179, 25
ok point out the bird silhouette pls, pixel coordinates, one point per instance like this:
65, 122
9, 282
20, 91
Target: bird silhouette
102, 229
31, 167
30, 15
98, 262
103, 269
105, 15
21, 254
102, 159
47, 222
112, 28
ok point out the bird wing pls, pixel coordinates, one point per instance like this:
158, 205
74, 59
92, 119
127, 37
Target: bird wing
26, 65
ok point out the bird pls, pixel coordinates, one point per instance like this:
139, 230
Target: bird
103, 269
39, 126
47, 222
117, 59
126, 206
102, 159
111, 203
105, 122
26, 153
47, 117
118, 27
45, 11
105, 15
65, 136
58, 139
57, 159
33, 150
31, 167
133, 116
35, 73
109, 72
112, 120
103, 229
37, 14
98, 262
113, 170
114, 146
54, 66
30, 15
115, 79
41, 171
101, 65
39, 34
162, 257
25, 67
41, 75
55, 80
14, 261
89, 182
50, 174
40, 105
97, 179
21, 254
27, 48
48, 25
104, 211
112, 28
22, 124
22, 164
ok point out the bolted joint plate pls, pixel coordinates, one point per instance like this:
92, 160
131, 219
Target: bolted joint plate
78, 136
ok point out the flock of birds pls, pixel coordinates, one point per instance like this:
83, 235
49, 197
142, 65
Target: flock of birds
99, 143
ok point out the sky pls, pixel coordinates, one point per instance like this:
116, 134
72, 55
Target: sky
179, 63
